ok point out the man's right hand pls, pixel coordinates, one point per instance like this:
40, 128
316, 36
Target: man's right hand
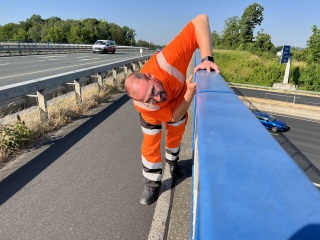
191, 87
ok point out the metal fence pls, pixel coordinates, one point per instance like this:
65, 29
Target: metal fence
16, 96
20, 46
245, 186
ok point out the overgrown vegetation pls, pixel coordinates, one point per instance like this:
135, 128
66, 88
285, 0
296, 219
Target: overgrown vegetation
54, 29
262, 66
28, 129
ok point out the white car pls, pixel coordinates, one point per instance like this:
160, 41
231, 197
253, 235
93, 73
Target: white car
104, 46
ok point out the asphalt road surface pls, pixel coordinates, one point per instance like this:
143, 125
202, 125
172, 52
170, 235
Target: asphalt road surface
302, 143
278, 96
15, 69
83, 183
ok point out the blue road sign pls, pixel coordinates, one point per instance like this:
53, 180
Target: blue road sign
285, 54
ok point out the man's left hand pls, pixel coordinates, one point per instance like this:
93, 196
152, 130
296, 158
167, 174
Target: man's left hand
207, 65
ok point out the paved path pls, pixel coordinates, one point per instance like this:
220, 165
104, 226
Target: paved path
83, 183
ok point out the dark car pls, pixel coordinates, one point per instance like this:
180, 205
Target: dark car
271, 122
159, 49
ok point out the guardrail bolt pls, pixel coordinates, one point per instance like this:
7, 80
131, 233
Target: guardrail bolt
42, 103
77, 90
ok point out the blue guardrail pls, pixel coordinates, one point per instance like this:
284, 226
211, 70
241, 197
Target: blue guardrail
245, 186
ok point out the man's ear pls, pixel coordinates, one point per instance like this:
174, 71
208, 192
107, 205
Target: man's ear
149, 75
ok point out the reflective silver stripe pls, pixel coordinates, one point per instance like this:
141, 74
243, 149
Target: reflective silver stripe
170, 157
152, 176
170, 69
150, 165
151, 131
174, 150
143, 106
177, 123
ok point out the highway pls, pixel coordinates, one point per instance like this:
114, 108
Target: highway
302, 144
279, 96
15, 69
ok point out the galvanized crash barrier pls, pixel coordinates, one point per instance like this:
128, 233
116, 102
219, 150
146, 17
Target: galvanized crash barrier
55, 47
245, 186
16, 96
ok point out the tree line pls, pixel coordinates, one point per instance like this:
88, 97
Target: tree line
54, 29
238, 34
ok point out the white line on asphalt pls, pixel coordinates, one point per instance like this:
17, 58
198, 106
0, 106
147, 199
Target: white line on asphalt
82, 57
104, 61
54, 59
83, 60
46, 57
4, 64
95, 58
281, 95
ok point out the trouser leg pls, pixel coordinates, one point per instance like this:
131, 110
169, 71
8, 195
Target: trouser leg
173, 139
151, 156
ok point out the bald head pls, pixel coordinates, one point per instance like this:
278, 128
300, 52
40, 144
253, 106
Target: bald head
133, 83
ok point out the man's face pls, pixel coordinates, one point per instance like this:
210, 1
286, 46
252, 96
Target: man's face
149, 91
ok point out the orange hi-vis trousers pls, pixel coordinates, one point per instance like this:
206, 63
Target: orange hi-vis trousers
151, 156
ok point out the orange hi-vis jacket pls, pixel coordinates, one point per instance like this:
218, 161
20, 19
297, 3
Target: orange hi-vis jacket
170, 67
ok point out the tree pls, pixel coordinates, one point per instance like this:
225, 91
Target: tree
20, 35
216, 39
55, 34
313, 46
35, 33
7, 31
252, 16
231, 34
263, 42
35, 20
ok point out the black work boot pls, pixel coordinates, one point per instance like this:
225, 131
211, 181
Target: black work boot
149, 195
175, 171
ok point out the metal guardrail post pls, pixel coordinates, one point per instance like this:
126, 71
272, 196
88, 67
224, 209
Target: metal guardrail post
133, 66
115, 75
77, 90
125, 67
42, 105
100, 80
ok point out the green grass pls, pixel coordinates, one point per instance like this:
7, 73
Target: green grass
247, 68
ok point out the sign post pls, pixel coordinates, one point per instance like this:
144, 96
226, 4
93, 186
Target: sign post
286, 57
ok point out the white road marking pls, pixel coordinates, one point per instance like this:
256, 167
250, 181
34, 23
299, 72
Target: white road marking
280, 95
83, 59
46, 57
4, 64
54, 59
95, 58
63, 68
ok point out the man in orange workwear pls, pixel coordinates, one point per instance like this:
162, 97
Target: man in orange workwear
161, 93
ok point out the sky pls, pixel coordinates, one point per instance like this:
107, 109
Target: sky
289, 22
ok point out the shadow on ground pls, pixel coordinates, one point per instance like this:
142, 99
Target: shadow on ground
58, 146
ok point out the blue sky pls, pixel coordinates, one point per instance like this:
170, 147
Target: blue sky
288, 22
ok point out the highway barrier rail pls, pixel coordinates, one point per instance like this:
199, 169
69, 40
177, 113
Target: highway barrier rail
55, 47
16, 96
245, 186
